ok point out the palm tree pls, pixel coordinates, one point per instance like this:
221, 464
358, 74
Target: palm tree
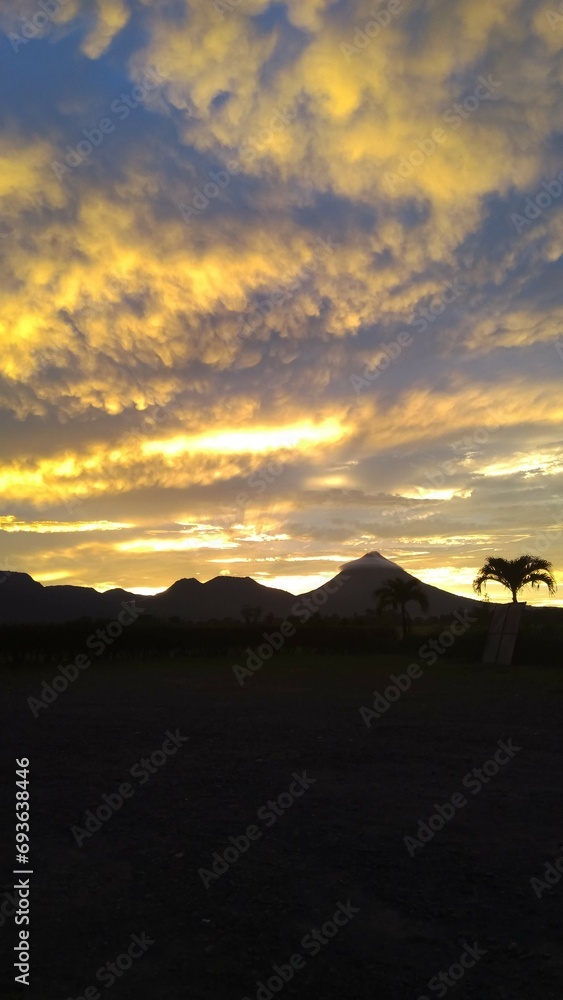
516, 574
396, 592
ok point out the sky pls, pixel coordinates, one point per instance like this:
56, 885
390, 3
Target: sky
281, 284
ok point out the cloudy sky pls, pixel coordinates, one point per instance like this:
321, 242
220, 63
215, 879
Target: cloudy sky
281, 285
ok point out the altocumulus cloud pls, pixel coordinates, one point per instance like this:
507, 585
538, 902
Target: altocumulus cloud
112, 305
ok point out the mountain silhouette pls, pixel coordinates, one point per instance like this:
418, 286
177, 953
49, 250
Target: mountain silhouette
358, 579
222, 597
24, 600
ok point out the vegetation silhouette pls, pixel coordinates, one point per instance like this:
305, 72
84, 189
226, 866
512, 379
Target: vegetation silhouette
395, 593
251, 613
515, 574
159, 640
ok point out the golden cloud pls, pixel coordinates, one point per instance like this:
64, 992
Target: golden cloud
12, 524
116, 299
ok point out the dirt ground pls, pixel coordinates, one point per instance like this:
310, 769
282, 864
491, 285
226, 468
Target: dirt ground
340, 841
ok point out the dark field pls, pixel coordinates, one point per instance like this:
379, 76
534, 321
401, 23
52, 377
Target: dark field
341, 841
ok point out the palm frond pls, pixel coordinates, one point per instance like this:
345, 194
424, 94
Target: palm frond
514, 574
396, 592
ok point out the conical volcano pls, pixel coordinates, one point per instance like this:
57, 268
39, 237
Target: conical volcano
353, 589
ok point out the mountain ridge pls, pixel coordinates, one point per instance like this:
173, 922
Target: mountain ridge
25, 600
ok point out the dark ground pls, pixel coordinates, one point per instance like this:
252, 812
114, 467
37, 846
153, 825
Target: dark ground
343, 840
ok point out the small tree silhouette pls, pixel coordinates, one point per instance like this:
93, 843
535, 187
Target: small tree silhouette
396, 593
251, 613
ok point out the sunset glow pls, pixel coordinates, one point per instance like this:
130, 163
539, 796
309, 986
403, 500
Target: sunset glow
294, 294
